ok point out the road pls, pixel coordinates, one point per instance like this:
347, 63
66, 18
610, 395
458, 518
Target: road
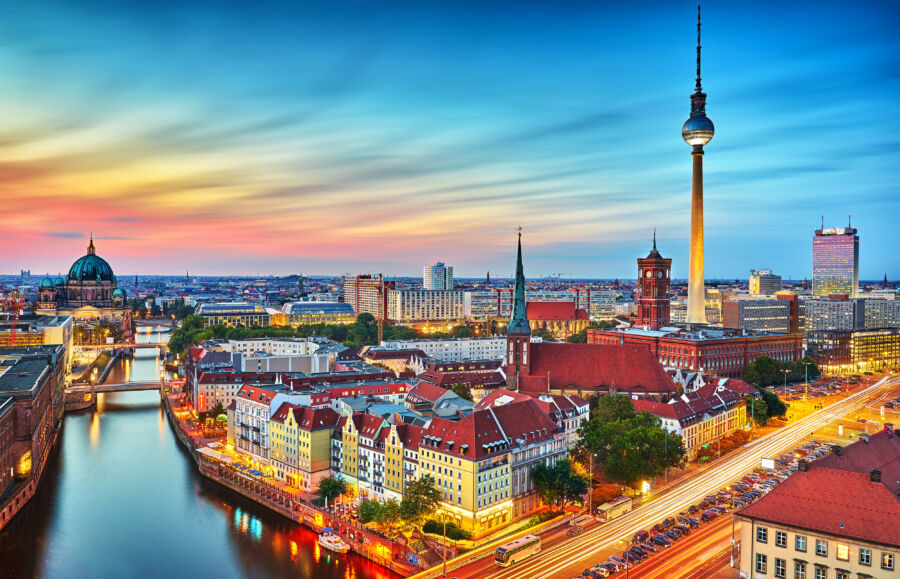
567, 558
692, 556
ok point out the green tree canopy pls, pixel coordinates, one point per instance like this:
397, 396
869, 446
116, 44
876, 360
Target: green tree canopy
330, 488
558, 484
420, 500
463, 392
757, 410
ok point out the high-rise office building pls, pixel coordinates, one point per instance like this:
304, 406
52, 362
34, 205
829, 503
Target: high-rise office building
368, 294
836, 262
438, 277
764, 282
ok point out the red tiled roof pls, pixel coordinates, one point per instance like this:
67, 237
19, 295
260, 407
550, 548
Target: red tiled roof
368, 425
425, 392
315, 418
705, 401
282, 413
197, 353
541, 311
491, 399
836, 502
626, 368
490, 432
411, 435
256, 394
446, 379
373, 354
882, 452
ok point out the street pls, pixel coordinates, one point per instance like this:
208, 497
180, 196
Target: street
563, 557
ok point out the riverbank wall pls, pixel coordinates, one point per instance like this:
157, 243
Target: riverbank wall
24, 490
362, 541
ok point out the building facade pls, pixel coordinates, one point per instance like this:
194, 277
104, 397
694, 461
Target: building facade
297, 314
427, 305
834, 314
762, 315
233, 314
764, 282
368, 294
715, 351
438, 277
852, 351
835, 262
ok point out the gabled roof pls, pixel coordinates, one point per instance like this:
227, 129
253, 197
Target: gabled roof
490, 432
623, 367
411, 435
256, 394
547, 311
282, 413
425, 392
315, 418
832, 501
445, 379
881, 452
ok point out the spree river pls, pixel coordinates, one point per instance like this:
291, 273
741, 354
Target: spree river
120, 498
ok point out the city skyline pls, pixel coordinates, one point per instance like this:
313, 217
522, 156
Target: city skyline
248, 141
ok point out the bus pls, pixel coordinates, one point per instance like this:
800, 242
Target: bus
515, 551
613, 509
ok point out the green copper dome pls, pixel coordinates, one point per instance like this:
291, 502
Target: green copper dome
91, 268
47, 282
119, 292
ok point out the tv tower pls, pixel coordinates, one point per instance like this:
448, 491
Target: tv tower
697, 131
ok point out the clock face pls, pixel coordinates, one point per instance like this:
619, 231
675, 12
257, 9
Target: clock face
648, 274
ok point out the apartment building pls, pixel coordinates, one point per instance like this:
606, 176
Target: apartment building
300, 444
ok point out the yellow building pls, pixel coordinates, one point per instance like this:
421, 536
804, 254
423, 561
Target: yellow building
300, 444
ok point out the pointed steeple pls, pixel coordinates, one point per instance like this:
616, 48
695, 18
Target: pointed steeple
91, 250
518, 323
654, 253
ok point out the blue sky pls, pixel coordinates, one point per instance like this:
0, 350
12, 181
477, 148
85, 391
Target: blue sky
247, 138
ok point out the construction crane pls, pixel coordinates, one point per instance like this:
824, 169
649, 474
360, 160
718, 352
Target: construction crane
13, 303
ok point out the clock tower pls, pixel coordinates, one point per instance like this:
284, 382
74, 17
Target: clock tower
653, 306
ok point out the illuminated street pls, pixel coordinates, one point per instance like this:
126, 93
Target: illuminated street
570, 557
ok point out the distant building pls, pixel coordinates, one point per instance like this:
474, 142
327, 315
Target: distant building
722, 352
38, 330
834, 314
764, 315
368, 294
851, 351
560, 319
427, 305
837, 517
497, 302
454, 349
835, 262
297, 314
438, 277
882, 313
233, 314
764, 282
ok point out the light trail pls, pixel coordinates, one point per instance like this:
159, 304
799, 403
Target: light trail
679, 498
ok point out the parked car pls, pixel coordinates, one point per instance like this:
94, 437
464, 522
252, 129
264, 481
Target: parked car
617, 560
668, 522
693, 509
649, 547
640, 536
709, 515
661, 541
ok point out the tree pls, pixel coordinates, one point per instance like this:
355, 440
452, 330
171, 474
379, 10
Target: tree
558, 484
757, 410
330, 488
544, 334
774, 404
219, 409
420, 500
611, 407
368, 511
463, 392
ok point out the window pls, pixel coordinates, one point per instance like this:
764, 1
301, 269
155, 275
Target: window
799, 570
887, 561
762, 535
760, 563
780, 539
842, 575
843, 552
865, 556
821, 573
780, 568
800, 543
821, 547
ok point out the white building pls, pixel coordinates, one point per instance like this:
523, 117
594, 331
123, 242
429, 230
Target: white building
438, 277
827, 314
882, 313
456, 349
425, 305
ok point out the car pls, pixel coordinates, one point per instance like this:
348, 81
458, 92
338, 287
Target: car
649, 547
690, 522
617, 560
641, 535
637, 554
661, 541
693, 509
590, 574
671, 535
642, 553
709, 514
657, 528
685, 529
600, 571
612, 566
668, 522
703, 504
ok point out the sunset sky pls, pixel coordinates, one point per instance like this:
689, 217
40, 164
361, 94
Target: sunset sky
274, 138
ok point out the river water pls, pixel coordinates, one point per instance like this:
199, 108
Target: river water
120, 498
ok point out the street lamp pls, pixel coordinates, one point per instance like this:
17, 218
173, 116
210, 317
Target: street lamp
786, 372
732, 529
806, 366
626, 553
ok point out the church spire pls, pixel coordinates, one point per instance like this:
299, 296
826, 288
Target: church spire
91, 250
518, 323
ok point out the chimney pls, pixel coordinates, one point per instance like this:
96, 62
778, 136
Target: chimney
864, 437
836, 448
875, 475
802, 465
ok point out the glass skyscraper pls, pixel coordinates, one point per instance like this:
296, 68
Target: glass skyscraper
836, 262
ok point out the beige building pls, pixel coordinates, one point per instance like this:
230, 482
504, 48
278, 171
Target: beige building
300, 444
837, 518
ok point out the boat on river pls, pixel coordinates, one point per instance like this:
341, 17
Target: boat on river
333, 542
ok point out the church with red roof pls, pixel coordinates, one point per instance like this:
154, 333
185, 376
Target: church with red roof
580, 369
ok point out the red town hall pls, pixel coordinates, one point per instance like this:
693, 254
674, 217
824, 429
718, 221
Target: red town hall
653, 305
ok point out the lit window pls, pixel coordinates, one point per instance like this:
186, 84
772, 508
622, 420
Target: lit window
760, 563
780, 567
887, 561
843, 552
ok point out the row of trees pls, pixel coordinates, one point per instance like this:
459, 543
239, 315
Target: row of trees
766, 371
581, 337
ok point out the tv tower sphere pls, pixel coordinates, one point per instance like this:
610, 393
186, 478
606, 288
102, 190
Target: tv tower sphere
698, 130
